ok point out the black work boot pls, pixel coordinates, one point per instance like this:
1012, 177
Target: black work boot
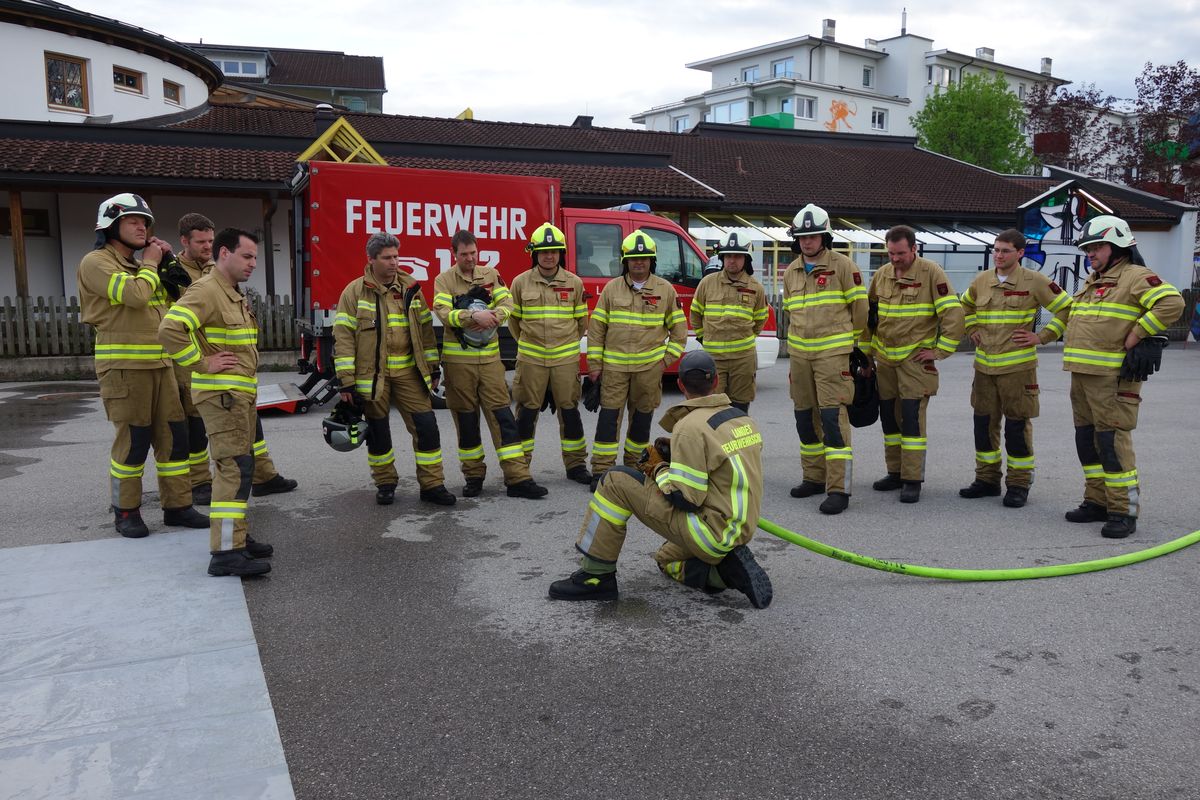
277, 485
474, 487
807, 489
202, 494
835, 503
585, 586
385, 494
438, 495
911, 492
1087, 512
580, 474
740, 571
1118, 526
1016, 496
528, 489
184, 518
236, 562
259, 549
130, 524
888, 484
980, 488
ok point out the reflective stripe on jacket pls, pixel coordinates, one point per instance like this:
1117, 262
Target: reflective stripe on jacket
727, 314
995, 310
452, 284
918, 311
827, 307
548, 318
632, 330
211, 317
124, 301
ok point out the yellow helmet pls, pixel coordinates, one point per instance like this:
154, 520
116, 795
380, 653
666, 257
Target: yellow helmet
546, 237
638, 245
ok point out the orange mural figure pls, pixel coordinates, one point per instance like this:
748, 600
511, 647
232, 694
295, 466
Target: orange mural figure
839, 112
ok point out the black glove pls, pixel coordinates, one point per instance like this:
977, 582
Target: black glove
548, 401
1143, 359
591, 393
173, 276
873, 315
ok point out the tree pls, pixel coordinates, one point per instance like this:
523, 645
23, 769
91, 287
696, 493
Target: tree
977, 121
1153, 142
1071, 128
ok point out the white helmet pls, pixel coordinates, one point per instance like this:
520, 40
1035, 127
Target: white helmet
122, 205
736, 243
809, 221
1106, 228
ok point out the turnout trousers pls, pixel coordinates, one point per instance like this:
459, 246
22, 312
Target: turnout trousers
1105, 411
470, 390
530, 385
407, 392
1013, 397
821, 388
230, 420
904, 392
641, 393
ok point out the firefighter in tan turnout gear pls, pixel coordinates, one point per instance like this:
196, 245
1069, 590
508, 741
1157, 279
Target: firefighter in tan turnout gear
826, 304
700, 490
213, 331
385, 354
920, 321
472, 302
727, 313
548, 319
1000, 306
124, 300
637, 328
1113, 343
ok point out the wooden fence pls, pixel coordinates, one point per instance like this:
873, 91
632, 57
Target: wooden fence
50, 326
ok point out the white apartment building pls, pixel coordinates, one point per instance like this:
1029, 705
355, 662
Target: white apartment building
818, 83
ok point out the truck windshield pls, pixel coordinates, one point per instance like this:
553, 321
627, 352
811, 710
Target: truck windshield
597, 250
677, 262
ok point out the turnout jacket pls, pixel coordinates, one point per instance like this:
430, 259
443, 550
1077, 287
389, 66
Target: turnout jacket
124, 301
996, 309
1125, 297
632, 330
194, 269
452, 284
379, 331
548, 317
916, 312
728, 314
212, 316
827, 307
715, 475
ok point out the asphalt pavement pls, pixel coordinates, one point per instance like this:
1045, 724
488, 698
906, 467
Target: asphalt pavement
410, 650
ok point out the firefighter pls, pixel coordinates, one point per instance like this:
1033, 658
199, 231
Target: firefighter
1113, 342
1000, 306
826, 304
385, 353
124, 300
472, 302
637, 329
548, 319
196, 233
213, 331
700, 490
919, 321
728, 312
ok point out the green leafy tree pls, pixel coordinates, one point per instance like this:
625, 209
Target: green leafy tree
977, 121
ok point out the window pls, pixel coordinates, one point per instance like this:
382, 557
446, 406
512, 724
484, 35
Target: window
787, 105
783, 68
806, 107
676, 261
1020, 91
127, 80
66, 82
681, 124
868, 76
597, 250
939, 75
878, 119
356, 104
249, 68
172, 92
34, 222
750, 74
737, 111
235, 67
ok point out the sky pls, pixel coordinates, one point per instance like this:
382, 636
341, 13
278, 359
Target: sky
547, 62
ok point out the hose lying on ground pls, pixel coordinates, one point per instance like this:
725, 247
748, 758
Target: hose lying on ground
1014, 574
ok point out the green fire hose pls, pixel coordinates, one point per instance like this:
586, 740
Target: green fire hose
1015, 574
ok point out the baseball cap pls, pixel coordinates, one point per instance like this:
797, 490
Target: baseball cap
697, 361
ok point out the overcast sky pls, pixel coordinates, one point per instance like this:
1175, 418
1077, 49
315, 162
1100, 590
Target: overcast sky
534, 61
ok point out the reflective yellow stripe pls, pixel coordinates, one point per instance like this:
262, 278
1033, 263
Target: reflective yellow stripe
223, 381
1099, 358
530, 349
136, 352
1022, 356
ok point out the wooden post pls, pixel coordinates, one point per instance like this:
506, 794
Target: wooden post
16, 218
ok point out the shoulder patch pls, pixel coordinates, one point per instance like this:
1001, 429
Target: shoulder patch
721, 417
1055, 288
943, 289
1154, 280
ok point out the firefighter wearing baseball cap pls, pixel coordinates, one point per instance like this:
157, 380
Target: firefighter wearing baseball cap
1000, 307
1113, 342
385, 354
919, 321
548, 319
212, 330
728, 312
637, 328
124, 300
472, 302
826, 304
701, 490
